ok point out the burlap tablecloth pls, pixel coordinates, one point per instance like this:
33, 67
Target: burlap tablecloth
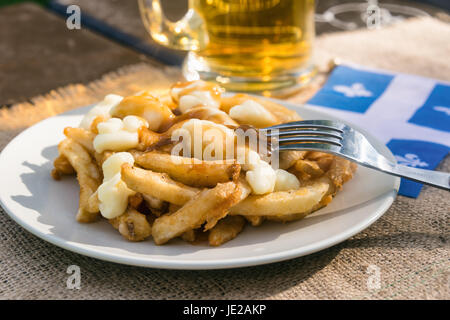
408, 245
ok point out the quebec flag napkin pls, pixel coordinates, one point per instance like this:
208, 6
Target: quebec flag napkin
410, 114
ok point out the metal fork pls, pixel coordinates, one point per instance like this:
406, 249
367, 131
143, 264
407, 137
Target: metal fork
339, 139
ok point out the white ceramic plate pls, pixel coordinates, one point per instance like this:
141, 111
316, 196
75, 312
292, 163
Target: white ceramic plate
47, 209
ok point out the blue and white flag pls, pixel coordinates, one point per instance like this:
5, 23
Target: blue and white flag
411, 114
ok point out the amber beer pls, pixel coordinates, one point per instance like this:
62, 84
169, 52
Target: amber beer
245, 45
257, 37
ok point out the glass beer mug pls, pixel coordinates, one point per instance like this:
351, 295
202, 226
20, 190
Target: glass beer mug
261, 46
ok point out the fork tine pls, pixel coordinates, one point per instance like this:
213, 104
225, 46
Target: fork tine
309, 124
301, 140
311, 146
302, 132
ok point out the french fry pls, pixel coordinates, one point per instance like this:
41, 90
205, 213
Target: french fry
88, 175
225, 230
134, 201
132, 225
81, 136
93, 204
341, 170
255, 220
243, 190
158, 185
289, 158
282, 202
101, 157
189, 236
297, 216
173, 208
62, 166
147, 138
189, 171
153, 203
307, 169
322, 159
206, 206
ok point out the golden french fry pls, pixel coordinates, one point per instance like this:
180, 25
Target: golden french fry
132, 225
189, 236
93, 204
225, 230
341, 170
297, 216
289, 158
282, 202
189, 171
306, 169
147, 138
322, 159
173, 208
134, 201
158, 185
101, 157
243, 190
154, 203
81, 136
255, 220
62, 166
88, 175
206, 206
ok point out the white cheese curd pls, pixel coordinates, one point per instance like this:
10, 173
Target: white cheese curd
285, 181
176, 90
252, 113
154, 118
262, 178
118, 135
101, 109
208, 140
251, 160
113, 193
259, 174
197, 98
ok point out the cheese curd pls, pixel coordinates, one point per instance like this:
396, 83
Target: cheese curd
117, 134
208, 140
260, 175
196, 94
101, 109
197, 98
252, 113
113, 193
261, 179
144, 105
176, 90
285, 181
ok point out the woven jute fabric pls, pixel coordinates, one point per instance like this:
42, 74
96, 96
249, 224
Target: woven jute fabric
406, 249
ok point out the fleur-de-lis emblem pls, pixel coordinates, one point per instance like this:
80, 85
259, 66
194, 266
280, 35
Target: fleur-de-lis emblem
443, 109
355, 90
411, 160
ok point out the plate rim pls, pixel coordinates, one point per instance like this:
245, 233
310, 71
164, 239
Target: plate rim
202, 265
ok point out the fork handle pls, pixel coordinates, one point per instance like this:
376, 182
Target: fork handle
433, 178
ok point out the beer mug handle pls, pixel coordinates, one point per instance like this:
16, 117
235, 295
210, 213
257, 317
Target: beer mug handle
185, 34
